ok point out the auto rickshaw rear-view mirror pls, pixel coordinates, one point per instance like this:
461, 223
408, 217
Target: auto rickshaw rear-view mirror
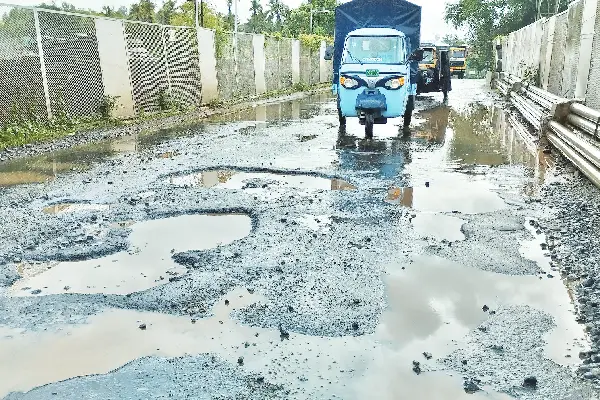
416, 55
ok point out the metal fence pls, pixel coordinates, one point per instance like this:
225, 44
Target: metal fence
51, 65
55, 63
162, 60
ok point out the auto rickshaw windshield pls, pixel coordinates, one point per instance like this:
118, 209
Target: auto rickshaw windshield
457, 53
428, 56
374, 50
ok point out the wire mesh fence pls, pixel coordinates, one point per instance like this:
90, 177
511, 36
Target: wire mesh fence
147, 65
50, 65
21, 86
55, 63
70, 51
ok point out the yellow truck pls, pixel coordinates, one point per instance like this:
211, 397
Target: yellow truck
458, 61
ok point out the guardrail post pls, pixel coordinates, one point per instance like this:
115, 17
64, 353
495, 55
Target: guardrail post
560, 111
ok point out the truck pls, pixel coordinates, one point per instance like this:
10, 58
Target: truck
434, 69
458, 61
375, 61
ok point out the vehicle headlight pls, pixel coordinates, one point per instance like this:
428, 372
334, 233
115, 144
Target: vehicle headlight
395, 83
348, 82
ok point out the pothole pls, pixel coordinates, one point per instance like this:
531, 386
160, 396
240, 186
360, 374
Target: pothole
568, 338
439, 227
468, 198
231, 179
74, 207
451, 300
291, 360
146, 264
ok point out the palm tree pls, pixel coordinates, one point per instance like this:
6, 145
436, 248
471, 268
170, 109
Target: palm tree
255, 7
229, 19
277, 12
256, 23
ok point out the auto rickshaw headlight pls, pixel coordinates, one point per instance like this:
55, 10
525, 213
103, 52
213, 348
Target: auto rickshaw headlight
395, 83
348, 83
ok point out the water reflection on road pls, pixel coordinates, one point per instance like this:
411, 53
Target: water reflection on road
47, 167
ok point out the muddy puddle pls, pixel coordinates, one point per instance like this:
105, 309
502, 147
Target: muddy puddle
229, 179
432, 318
65, 208
275, 112
437, 316
448, 193
47, 167
438, 226
113, 338
472, 140
146, 264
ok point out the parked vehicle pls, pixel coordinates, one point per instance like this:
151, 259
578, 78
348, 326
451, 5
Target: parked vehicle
458, 61
434, 70
375, 60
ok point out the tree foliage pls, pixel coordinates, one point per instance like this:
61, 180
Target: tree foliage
486, 19
274, 18
143, 11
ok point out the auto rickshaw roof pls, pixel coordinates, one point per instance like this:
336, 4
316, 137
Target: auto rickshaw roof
376, 32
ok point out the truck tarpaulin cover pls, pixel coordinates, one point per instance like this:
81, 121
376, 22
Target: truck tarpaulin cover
398, 14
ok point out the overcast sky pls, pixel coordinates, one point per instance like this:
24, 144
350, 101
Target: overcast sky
433, 10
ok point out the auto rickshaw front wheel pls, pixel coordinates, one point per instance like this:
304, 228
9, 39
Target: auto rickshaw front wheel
369, 122
410, 106
341, 118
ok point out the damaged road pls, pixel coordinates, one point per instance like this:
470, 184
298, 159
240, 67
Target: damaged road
266, 254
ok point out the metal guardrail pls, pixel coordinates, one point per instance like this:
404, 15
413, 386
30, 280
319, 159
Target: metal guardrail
572, 128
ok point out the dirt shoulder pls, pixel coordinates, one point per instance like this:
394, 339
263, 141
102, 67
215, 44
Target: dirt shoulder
110, 130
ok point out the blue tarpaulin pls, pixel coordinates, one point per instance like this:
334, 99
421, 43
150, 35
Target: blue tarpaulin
398, 14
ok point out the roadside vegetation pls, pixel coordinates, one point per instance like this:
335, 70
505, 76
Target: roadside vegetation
484, 20
30, 128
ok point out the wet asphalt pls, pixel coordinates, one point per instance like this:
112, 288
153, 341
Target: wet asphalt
267, 254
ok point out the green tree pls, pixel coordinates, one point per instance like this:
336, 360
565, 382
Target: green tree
277, 14
297, 22
452, 39
486, 19
143, 11
258, 21
323, 16
112, 13
185, 16
164, 15
12, 24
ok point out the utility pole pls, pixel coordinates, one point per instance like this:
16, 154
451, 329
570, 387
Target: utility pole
312, 12
235, 38
202, 13
199, 9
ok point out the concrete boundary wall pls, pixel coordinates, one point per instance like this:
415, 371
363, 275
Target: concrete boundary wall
114, 65
561, 54
51, 68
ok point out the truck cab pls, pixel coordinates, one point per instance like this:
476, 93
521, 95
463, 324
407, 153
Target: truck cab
458, 61
375, 66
